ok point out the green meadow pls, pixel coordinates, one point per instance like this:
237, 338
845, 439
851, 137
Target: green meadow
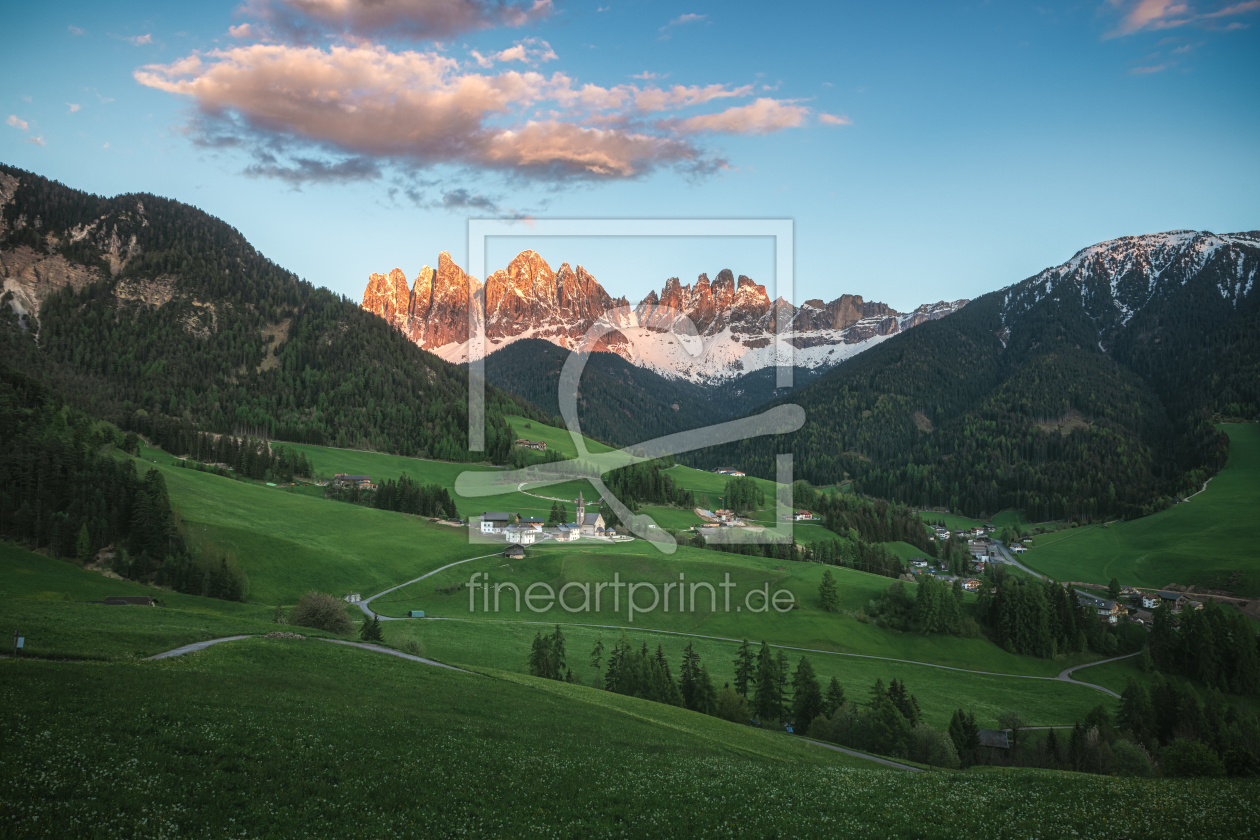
805, 627
286, 738
44, 600
1207, 541
505, 645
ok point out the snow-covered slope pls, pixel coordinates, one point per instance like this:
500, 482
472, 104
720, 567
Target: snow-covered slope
1116, 279
709, 332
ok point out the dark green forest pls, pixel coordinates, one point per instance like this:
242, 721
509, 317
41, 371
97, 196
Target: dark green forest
978, 413
240, 346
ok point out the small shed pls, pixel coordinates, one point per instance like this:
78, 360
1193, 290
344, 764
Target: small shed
416, 614
130, 601
515, 552
995, 738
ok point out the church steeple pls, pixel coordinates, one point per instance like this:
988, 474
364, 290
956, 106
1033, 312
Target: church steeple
581, 510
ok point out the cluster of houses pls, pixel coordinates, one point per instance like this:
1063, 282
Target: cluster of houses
732, 473
341, 481
536, 445
524, 531
919, 566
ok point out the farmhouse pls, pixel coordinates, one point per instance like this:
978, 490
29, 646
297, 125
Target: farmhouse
514, 552
363, 482
971, 585
1108, 611
536, 445
564, 533
1016, 548
1150, 600
918, 561
533, 522
730, 472
802, 515
494, 523
979, 548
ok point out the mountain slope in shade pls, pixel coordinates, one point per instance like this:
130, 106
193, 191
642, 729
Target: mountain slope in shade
709, 332
1088, 390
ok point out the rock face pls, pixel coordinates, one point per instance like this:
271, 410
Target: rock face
708, 331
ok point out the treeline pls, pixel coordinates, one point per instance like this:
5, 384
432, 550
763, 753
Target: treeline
256, 459
743, 494
199, 326
1164, 730
937, 607
874, 520
64, 491
854, 553
648, 483
403, 496
1037, 617
1210, 646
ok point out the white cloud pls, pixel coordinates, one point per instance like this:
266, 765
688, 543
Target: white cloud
139, 40
531, 51
17, 122
681, 20
38, 141
74, 30
244, 30
73, 107
834, 119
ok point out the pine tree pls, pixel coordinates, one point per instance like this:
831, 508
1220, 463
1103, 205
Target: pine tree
835, 697
1113, 590
745, 669
828, 597
765, 703
807, 700
83, 546
597, 654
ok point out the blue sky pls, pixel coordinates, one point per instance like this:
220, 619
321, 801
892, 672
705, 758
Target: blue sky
926, 151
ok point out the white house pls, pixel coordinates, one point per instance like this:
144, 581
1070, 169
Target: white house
523, 534
802, 515
1150, 600
535, 523
494, 523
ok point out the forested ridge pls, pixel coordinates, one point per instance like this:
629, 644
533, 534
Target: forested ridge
192, 325
985, 410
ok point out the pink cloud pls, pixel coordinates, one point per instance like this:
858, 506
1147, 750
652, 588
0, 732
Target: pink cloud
834, 119
17, 122
417, 108
139, 40
405, 18
760, 117
245, 30
1150, 15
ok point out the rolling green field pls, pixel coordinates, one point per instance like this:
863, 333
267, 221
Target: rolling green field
806, 627
1208, 541
42, 598
505, 645
266, 738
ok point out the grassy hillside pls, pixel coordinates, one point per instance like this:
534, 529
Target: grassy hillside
1208, 541
43, 598
281, 738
